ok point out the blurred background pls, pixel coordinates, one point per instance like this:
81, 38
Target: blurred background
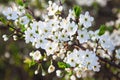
13, 53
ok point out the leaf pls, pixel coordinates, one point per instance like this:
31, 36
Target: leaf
77, 11
20, 2
29, 16
63, 65
29, 62
2, 20
102, 30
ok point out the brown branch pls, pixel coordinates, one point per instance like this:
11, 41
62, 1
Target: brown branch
105, 60
102, 59
109, 62
16, 29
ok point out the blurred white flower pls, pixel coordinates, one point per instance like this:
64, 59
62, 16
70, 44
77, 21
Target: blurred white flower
85, 2
72, 77
5, 38
53, 8
106, 43
117, 54
14, 37
115, 37
36, 72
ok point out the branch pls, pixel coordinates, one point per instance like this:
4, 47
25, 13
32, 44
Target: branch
105, 60
102, 59
109, 62
18, 30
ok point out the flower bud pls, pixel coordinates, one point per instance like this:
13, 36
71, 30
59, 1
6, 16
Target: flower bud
51, 69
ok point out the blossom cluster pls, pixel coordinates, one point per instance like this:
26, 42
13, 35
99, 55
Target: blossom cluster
115, 35
69, 41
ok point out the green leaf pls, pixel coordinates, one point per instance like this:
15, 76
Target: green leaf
110, 29
29, 16
22, 28
77, 11
29, 62
63, 65
2, 20
102, 30
20, 2
32, 63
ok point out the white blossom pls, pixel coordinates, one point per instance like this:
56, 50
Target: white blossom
10, 14
51, 68
117, 54
36, 72
14, 37
53, 8
36, 55
83, 36
59, 73
24, 20
72, 77
86, 20
5, 37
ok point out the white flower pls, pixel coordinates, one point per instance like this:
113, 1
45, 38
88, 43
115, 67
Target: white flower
71, 15
29, 35
10, 14
43, 73
24, 20
72, 77
51, 69
63, 36
117, 54
72, 58
54, 57
86, 60
106, 43
83, 36
78, 72
39, 42
53, 8
58, 73
71, 28
5, 37
86, 20
31, 54
96, 68
94, 35
37, 55
115, 37
102, 2
85, 2
14, 37
36, 72
51, 47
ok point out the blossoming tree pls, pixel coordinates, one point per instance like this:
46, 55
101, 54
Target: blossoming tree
67, 43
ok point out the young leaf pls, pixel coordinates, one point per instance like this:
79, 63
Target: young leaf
2, 20
29, 62
20, 2
63, 65
102, 30
77, 11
